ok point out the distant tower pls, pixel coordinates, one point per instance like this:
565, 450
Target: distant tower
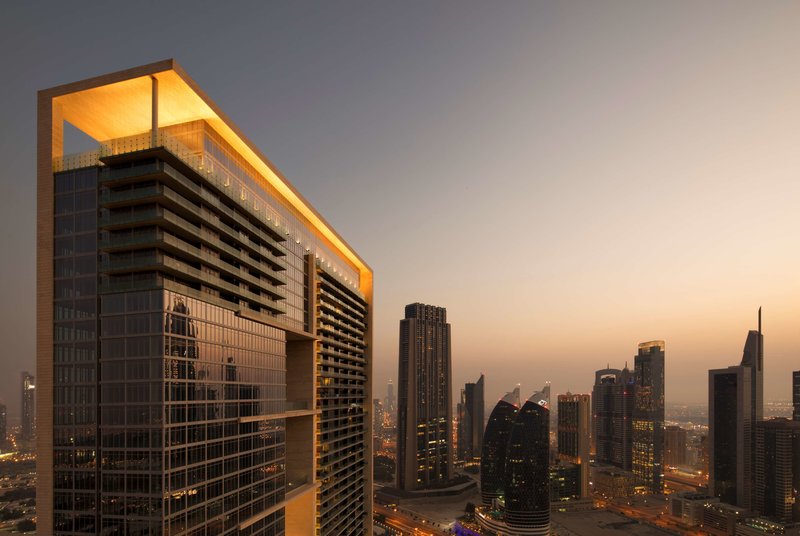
495, 443
391, 402
729, 446
425, 411
648, 416
777, 470
470, 421
574, 412
612, 412
735, 406
674, 446
3, 426
28, 407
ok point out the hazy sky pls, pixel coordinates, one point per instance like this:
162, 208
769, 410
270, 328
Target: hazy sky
567, 178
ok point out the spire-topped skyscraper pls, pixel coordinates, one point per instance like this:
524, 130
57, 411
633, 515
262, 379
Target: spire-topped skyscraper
735, 406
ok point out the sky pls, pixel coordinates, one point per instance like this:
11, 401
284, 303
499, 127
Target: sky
568, 179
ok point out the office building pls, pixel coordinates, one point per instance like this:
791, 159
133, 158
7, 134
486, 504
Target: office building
425, 411
28, 416
753, 357
390, 403
648, 417
674, 446
777, 470
729, 446
495, 444
527, 489
377, 416
736, 405
573, 436
612, 417
198, 322
688, 506
470, 422
523, 501
3, 427
565, 481
796, 395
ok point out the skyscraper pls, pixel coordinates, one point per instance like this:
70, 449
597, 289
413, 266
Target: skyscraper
391, 402
674, 446
796, 395
729, 425
612, 412
495, 444
753, 357
736, 405
648, 416
198, 321
527, 480
3, 426
777, 470
470, 422
425, 412
573, 436
515, 472
28, 390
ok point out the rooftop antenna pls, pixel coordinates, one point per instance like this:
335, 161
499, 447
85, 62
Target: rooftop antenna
759, 320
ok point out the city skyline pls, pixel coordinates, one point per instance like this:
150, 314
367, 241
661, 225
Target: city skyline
627, 151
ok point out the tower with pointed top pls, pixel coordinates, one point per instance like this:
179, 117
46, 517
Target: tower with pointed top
515, 478
735, 407
495, 443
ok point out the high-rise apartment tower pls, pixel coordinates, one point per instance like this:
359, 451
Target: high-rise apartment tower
777, 470
612, 411
3, 427
203, 334
648, 417
470, 421
574, 415
28, 417
424, 400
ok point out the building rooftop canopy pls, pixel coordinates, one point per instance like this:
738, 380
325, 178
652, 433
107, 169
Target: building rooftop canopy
120, 104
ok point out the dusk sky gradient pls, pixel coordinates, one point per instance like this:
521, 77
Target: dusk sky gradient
568, 179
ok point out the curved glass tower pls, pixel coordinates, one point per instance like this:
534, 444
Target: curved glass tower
495, 442
527, 494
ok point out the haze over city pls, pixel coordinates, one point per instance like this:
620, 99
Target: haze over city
565, 180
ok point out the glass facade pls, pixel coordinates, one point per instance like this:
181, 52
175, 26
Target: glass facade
75, 351
612, 410
177, 276
725, 423
493, 455
527, 478
648, 417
